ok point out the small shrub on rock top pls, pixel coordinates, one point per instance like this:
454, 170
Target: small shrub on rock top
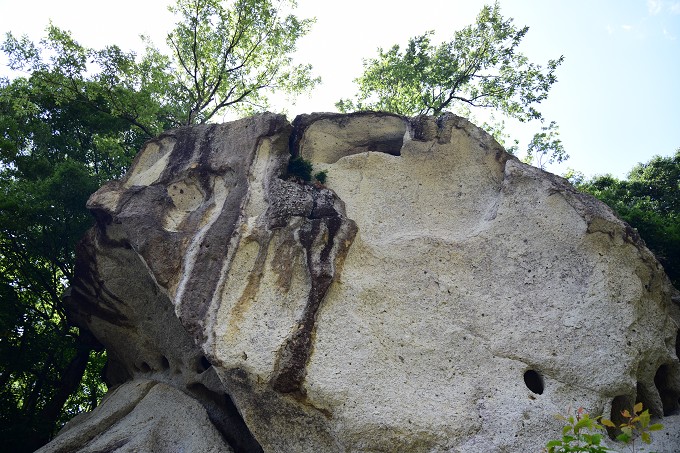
584, 434
321, 176
300, 168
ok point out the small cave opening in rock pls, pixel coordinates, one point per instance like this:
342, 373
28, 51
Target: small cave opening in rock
203, 364
144, 367
388, 146
165, 363
619, 404
534, 381
670, 397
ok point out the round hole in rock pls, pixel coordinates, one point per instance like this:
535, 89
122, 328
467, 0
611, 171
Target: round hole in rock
164, 362
533, 381
145, 368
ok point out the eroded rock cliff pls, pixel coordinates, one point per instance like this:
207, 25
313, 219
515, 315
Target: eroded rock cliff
435, 295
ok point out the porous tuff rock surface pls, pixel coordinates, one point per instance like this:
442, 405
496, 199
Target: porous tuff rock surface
436, 295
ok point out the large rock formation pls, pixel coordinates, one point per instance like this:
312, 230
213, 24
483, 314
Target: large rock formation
435, 295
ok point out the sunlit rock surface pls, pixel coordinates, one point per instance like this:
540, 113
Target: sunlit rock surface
435, 295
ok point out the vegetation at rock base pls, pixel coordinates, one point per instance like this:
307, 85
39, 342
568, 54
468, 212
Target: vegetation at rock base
649, 200
583, 433
74, 121
481, 67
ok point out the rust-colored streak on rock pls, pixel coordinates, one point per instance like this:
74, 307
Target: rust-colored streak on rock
240, 308
325, 241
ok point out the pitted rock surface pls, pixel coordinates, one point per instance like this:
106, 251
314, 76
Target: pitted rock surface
436, 295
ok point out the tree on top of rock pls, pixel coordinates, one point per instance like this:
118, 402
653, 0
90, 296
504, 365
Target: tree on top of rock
481, 67
229, 57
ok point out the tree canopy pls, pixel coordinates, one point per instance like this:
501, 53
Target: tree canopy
229, 57
75, 121
481, 67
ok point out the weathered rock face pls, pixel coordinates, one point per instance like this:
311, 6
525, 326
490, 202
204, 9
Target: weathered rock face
436, 295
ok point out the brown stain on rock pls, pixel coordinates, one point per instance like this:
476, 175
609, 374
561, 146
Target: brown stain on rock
249, 294
325, 241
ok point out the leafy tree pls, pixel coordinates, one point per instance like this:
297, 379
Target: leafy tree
649, 200
481, 67
230, 57
225, 55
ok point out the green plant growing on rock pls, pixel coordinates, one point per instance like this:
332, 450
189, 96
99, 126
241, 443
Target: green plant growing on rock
300, 169
579, 435
321, 176
581, 431
636, 423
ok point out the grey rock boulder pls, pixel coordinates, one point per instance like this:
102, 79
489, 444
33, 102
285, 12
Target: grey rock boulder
435, 295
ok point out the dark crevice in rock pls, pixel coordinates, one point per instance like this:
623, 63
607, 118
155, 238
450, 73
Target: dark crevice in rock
203, 365
225, 417
619, 404
668, 385
649, 396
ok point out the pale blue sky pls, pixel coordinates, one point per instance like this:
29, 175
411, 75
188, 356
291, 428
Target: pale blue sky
616, 102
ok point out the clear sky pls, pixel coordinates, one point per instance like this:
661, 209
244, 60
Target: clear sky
617, 100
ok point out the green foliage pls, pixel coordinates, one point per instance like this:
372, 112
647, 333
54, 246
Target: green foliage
481, 67
637, 422
300, 169
225, 55
546, 147
584, 434
581, 434
55, 151
228, 56
107, 80
649, 200
321, 176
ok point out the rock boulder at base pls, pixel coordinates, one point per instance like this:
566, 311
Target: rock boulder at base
435, 295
